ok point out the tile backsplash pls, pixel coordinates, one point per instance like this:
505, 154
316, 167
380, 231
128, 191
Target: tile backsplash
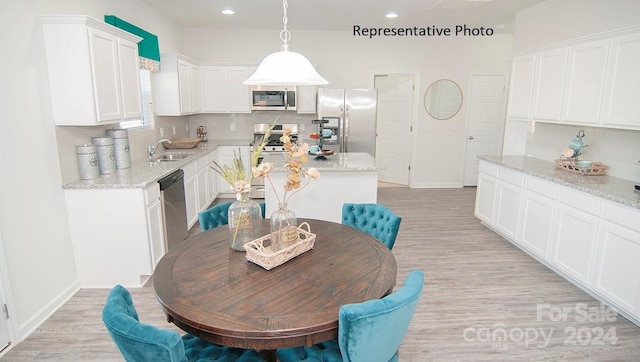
619, 149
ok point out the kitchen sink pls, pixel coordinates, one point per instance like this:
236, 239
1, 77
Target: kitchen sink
167, 157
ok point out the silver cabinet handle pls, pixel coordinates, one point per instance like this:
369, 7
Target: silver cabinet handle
471, 137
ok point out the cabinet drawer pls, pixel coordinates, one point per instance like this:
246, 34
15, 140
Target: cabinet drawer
622, 215
488, 168
151, 194
580, 200
541, 187
510, 176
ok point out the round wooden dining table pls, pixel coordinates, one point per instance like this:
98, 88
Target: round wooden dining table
213, 292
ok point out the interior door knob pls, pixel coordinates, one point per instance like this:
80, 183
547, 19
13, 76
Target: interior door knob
471, 137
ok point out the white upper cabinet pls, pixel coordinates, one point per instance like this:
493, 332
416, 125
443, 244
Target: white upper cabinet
621, 105
93, 71
590, 83
223, 90
585, 83
306, 98
177, 86
521, 87
549, 84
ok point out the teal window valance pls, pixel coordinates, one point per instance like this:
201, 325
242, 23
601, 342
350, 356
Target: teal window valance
148, 48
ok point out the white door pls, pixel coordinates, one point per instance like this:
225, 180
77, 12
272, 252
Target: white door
393, 127
486, 122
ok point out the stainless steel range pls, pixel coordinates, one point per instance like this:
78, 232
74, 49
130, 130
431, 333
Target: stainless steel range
273, 146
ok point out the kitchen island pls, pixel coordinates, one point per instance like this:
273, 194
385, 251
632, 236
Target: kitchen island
344, 177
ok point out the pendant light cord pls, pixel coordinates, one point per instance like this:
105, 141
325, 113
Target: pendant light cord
285, 34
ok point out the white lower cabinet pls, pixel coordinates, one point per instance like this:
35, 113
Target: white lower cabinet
117, 234
198, 188
212, 178
191, 193
537, 216
574, 236
593, 242
486, 192
508, 199
616, 273
226, 155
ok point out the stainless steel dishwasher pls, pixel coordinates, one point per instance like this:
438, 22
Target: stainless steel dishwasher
174, 209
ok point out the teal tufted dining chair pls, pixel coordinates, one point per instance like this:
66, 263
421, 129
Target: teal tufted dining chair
374, 219
367, 331
143, 342
218, 215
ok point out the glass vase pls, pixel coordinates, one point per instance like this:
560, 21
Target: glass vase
284, 229
245, 222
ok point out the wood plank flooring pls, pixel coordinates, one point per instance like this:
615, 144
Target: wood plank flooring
480, 300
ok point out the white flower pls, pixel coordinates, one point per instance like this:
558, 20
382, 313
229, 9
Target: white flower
262, 169
313, 173
241, 187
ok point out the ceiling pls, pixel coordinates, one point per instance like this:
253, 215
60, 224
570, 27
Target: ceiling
342, 15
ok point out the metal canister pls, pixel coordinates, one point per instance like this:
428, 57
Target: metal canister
106, 154
121, 146
88, 161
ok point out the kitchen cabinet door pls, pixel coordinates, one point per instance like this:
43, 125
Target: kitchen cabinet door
521, 87
549, 85
584, 84
213, 90
212, 177
191, 193
225, 157
621, 106
574, 234
155, 224
239, 95
176, 86
616, 269
224, 91
201, 183
194, 90
508, 201
306, 98
486, 192
129, 79
538, 204
92, 69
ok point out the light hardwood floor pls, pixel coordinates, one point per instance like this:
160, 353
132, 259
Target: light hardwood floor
477, 285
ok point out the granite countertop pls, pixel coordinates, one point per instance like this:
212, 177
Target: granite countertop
143, 173
608, 187
339, 162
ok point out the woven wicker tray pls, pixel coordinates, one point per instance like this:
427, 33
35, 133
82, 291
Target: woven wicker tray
267, 258
569, 164
182, 143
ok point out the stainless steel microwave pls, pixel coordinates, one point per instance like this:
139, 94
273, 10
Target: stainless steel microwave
273, 98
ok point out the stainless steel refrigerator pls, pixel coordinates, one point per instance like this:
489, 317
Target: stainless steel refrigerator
351, 116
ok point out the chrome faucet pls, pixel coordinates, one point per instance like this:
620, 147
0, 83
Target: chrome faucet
151, 149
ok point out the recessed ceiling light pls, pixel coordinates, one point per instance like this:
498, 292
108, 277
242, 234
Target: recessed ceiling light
391, 15
228, 12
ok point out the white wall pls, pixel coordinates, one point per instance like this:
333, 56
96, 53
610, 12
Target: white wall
555, 21
350, 62
33, 218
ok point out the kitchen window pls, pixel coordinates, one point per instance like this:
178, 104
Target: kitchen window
147, 101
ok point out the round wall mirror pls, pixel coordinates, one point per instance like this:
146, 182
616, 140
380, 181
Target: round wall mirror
443, 99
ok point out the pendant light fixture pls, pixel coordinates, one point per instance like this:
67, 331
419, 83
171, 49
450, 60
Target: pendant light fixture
285, 67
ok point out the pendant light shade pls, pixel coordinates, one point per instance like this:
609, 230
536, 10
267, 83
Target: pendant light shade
285, 67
